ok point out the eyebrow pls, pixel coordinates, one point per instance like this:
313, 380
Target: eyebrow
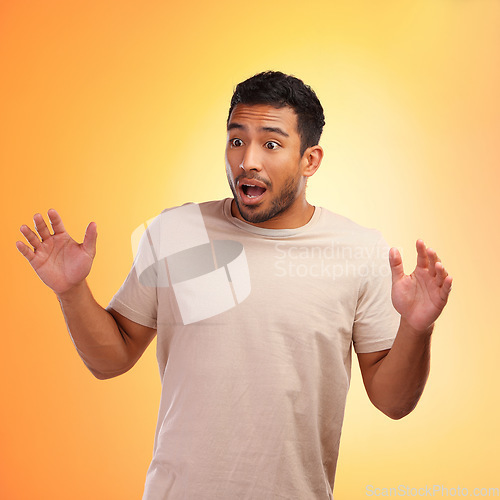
276, 130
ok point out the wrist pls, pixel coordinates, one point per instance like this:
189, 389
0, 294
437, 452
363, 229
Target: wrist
409, 329
73, 293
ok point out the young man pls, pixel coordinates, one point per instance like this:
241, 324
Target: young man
256, 302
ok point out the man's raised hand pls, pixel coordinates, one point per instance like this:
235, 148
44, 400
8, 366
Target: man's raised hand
421, 296
60, 262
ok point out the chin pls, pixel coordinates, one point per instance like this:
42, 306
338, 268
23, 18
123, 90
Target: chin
257, 214
254, 218
251, 214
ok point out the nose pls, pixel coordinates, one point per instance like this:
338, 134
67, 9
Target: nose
251, 159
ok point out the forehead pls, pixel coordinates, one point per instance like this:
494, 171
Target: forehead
264, 115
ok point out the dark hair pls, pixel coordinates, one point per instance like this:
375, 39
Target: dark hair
280, 90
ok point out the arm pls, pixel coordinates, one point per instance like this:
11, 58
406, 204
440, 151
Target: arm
395, 379
108, 343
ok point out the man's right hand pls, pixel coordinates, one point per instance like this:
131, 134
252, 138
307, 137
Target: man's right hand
60, 262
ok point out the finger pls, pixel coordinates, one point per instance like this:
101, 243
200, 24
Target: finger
56, 221
446, 288
441, 274
433, 259
396, 263
422, 258
32, 237
41, 227
90, 239
25, 250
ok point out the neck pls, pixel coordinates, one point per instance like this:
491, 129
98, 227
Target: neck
297, 215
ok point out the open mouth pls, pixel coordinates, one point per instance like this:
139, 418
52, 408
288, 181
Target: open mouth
252, 191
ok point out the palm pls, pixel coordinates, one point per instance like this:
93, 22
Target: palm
421, 296
58, 259
61, 263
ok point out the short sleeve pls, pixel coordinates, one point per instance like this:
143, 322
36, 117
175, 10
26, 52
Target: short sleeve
376, 321
137, 298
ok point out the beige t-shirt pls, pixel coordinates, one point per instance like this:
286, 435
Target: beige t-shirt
255, 328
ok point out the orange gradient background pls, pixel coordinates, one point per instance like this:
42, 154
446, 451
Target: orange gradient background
113, 110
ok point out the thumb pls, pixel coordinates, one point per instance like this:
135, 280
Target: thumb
89, 241
396, 263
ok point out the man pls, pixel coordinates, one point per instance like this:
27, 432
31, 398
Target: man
256, 301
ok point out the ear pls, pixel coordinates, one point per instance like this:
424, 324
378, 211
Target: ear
311, 160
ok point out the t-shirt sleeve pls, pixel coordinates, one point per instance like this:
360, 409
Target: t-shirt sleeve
137, 297
376, 321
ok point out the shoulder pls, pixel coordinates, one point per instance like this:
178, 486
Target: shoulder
182, 227
349, 231
190, 213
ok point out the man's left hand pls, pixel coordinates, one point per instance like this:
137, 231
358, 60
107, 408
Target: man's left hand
421, 296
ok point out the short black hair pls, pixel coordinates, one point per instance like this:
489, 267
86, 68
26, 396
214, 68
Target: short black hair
280, 90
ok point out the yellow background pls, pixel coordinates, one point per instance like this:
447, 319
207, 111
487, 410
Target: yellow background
113, 110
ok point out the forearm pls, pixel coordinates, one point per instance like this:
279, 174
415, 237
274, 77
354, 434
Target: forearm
95, 333
399, 378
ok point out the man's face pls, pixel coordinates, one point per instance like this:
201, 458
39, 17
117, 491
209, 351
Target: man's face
263, 164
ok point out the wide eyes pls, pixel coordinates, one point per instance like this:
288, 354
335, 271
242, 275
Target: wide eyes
236, 143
